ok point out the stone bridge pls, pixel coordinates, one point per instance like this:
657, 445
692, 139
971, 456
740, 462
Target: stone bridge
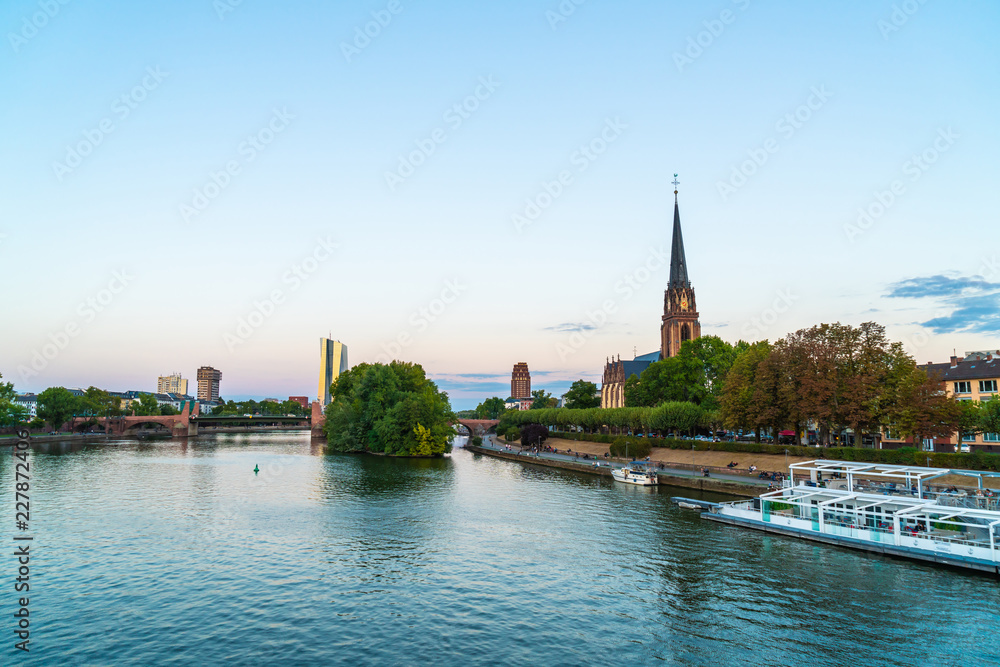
478, 426
180, 426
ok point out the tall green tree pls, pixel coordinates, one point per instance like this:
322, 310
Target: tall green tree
738, 408
541, 399
922, 409
582, 395
99, 403
672, 379
707, 361
388, 408
970, 420
269, 408
491, 408
145, 406
989, 416
56, 405
11, 414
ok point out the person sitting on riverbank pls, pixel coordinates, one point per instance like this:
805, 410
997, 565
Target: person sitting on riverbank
752, 468
732, 464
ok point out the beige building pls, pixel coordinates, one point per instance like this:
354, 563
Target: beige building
332, 362
975, 377
171, 384
208, 383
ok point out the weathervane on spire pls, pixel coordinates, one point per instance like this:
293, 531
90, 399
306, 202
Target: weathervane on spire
676, 183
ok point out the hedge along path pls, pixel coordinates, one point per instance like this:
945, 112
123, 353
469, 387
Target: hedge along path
768, 462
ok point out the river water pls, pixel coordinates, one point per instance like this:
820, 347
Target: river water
152, 553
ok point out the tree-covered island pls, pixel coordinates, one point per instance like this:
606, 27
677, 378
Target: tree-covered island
389, 409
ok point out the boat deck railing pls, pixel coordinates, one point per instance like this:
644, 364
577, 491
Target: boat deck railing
846, 525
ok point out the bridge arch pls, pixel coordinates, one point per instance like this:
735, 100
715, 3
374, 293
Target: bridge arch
479, 427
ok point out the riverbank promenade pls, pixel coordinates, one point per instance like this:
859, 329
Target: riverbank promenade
672, 475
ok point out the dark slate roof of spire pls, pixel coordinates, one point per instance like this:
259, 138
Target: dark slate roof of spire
678, 263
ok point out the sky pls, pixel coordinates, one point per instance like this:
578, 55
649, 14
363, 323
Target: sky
467, 186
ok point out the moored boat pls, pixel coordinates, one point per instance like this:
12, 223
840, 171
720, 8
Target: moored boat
907, 511
636, 472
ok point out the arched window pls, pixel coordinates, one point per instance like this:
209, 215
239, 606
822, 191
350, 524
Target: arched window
685, 332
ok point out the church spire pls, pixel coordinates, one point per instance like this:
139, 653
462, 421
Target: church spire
678, 263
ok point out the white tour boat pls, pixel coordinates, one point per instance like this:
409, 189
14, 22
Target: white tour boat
932, 514
637, 472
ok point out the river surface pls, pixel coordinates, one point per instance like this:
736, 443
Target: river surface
152, 553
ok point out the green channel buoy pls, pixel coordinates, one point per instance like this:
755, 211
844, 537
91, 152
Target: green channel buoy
255, 469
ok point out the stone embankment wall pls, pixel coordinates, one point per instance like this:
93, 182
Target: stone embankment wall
700, 483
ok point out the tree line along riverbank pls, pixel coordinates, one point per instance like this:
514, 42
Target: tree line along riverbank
903, 456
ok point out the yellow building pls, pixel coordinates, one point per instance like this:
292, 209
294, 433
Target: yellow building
171, 384
332, 362
975, 377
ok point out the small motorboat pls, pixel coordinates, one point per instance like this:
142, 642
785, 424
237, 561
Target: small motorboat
637, 472
689, 506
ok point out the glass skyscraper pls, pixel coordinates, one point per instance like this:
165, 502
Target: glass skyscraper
332, 362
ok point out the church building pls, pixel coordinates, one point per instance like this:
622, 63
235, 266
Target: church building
678, 324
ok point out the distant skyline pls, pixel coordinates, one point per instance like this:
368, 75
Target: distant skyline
221, 183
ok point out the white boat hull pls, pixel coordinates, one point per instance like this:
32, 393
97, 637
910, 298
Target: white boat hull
630, 477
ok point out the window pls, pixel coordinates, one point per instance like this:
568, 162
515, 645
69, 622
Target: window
987, 386
928, 445
963, 387
991, 437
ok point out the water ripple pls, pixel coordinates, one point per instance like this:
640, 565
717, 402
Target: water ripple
159, 553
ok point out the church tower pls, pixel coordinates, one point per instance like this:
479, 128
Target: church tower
680, 313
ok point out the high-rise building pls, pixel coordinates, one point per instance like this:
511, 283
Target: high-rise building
208, 383
332, 362
520, 381
171, 384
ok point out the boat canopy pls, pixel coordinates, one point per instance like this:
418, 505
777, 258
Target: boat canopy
911, 476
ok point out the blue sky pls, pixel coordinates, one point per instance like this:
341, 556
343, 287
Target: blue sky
220, 183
